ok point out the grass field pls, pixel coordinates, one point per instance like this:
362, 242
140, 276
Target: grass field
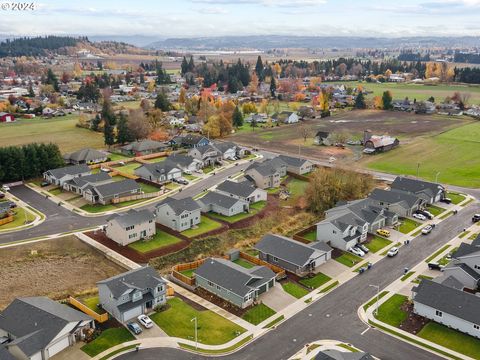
348, 259
377, 244
129, 168
92, 303
205, 226
294, 290
60, 130
212, 328
436, 210
455, 197
316, 281
160, 240
390, 313
258, 313
107, 339
407, 225
449, 154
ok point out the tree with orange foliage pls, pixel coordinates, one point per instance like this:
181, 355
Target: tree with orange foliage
299, 97
159, 135
253, 86
182, 97
378, 102
277, 69
388, 73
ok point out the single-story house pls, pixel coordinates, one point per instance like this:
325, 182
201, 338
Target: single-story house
292, 255
189, 141
402, 203
234, 283
79, 184
159, 172
105, 193
429, 191
186, 163
342, 231
85, 156
296, 165
287, 117
130, 294
144, 147
178, 214
243, 190
222, 204
126, 228
61, 175
39, 328
383, 143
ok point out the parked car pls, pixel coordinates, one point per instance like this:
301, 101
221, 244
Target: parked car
363, 248
383, 232
392, 252
134, 327
2, 195
188, 172
425, 213
122, 163
419, 217
12, 204
105, 170
435, 266
427, 229
145, 321
181, 181
446, 200
5, 188
44, 183
356, 251
476, 218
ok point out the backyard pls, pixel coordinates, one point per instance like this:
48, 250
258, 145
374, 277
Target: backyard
205, 226
160, 239
254, 209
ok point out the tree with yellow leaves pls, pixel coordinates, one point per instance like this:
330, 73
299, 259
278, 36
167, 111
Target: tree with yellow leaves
77, 70
264, 107
182, 97
151, 86
249, 108
388, 73
218, 126
253, 86
378, 102
277, 69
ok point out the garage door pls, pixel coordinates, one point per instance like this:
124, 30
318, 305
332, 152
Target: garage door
132, 313
56, 348
262, 289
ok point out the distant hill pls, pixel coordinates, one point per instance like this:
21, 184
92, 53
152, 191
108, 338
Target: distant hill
267, 42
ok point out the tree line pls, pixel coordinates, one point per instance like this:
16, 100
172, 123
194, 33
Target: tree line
28, 161
36, 46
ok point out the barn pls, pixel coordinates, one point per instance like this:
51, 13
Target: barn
6, 117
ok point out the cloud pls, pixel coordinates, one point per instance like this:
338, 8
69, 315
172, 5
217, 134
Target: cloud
212, 10
269, 3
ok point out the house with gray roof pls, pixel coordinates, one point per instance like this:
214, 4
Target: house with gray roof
267, 174
232, 282
297, 165
292, 255
332, 354
448, 306
178, 214
342, 231
85, 156
130, 294
105, 193
209, 155
189, 141
464, 273
144, 147
186, 163
160, 172
402, 203
243, 190
61, 175
287, 117
126, 228
39, 328
430, 192
222, 204
79, 184
228, 149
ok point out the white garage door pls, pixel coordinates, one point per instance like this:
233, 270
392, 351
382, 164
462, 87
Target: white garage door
132, 313
56, 348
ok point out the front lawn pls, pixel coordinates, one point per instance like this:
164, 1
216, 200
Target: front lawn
258, 313
205, 226
452, 339
160, 240
456, 197
348, 259
377, 243
20, 215
107, 339
190, 177
213, 329
244, 263
390, 313
294, 290
316, 281
407, 225
147, 188
436, 210
208, 169
56, 191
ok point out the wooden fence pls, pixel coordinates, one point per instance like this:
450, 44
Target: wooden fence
299, 236
254, 260
137, 197
177, 269
299, 177
170, 291
7, 220
101, 318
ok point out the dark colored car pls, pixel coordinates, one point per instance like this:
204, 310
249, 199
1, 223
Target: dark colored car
435, 266
134, 327
446, 200
12, 204
44, 183
2, 195
476, 218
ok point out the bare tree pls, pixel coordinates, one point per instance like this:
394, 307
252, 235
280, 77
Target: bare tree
304, 132
138, 125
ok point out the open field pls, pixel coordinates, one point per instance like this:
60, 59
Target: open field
54, 268
60, 130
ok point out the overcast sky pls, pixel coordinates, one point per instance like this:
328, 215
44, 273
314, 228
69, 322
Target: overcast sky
192, 18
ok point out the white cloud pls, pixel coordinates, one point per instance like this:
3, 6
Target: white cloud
269, 3
213, 10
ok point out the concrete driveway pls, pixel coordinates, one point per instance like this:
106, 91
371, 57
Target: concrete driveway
154, 331
332, 268
276, 298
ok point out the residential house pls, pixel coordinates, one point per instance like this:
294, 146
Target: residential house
85, 156
144, 147
159, 172
447, 305
189, 141
297, 165
227, 149
79, 184
178, 214
39, 328
342, 231
257, 118
105, 193
244, 190
131, 226
430, 192
209, 155
287, 117
293, 256
267, 174
234, 283
6, 117
130, 294
222, 204
186, 163
61, 175
465, 265
323, 138
403, 105
402, 203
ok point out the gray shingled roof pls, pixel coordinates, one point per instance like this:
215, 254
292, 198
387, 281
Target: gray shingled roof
292, 161
286, 249
142, 278
465, 249
449, 281
207, 148
243, 189
189, 139
181, 160
36, 321
344, 221
144, 145
224, 146
233, 277
415, 186
5, 354
69, 170
449, 300
180, 205
85, 155
116, 187
394, 196
265, 168
132, 217
157, 169
214, 198
90, 179
476, 242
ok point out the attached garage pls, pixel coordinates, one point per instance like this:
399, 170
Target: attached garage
59, 346
132, 313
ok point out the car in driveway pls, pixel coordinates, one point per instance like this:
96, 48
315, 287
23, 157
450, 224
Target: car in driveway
392, 252
419, 217
435, 266
383, 232
181, 181
145, 321
134, 327
425, 213
476, 218
5, 188
356, 251
427, 229
446, 200
363, 248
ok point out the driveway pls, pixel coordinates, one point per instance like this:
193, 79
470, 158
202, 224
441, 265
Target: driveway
155, 331
332, 268
277, 299
72, 352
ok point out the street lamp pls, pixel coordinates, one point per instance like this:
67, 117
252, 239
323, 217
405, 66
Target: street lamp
196, 335
378, 291
436, 177
418, 169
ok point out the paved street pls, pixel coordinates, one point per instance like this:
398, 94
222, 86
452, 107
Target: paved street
335, 315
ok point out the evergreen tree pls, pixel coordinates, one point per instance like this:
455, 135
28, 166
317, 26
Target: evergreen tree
31, 93
253, 124
237, 117
184, 66
273, 86
191, 65
123, 132
360, 101
109, 121
259, 68
387, 100
232, 85
95, 122
108, 135
52, 79
162, 102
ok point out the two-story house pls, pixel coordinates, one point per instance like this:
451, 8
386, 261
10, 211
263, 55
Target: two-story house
130, 294
159, 172
209, 155
189, 141
243, 190
126, 228
61, 175
178, 214
267, 174
430, 192
342, 231
465, 265
402, 203
297, 165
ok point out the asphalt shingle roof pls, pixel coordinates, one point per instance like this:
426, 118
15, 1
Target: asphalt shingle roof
214, 198
132, 217
180, 205
69, 170
292, 161
90, 179
415, 186
85, 155
394, 196
242, 189
116, 187
465, 249
144, 145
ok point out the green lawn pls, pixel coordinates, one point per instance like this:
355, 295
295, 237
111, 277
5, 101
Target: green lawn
259, 205
18, 218
311, 235
213, 329
242, 262
107, 339
160, 240
316, 281
456, 197
205, 226
374, 300
172, 186
452, 339
297, 187
92, 303
208, 169
190, 177
348, 259
294, 290
157, 159
390, 313
96, 208
407, 225
258, 313
436, 210
148, 189
56, 191
128, 168
437, 253
117, 156
234, 218
377, 243
188, 273
420, 278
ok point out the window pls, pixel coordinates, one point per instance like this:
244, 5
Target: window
275, 259
334, 231
130, 227
159, 288
476, 327
438, 313
210, 283
477, 267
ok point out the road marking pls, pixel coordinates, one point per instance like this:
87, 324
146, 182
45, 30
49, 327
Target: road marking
364, 331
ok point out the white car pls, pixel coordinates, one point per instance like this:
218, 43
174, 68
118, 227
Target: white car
392, 252
145, 321
5, 188
356, 251
419, 217
427, 229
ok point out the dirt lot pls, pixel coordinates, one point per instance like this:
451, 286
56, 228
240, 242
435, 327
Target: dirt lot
61, 267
